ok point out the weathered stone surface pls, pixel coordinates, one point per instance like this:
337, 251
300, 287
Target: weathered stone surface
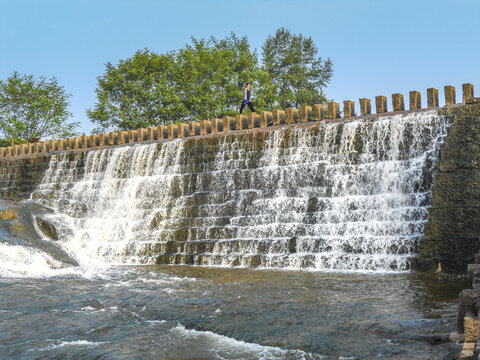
450, 95
365, 106
467, 91
471, 329
348, 108
318, 112
432, 98
333, 110
415, 100
291, 116
381, 104
278, 117
305, 114
452, 233
398, 102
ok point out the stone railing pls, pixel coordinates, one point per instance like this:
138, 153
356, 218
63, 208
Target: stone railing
239, 122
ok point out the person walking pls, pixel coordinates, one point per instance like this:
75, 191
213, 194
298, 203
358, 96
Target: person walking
246, 99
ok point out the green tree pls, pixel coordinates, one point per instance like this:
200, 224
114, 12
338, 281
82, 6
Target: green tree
32, 108
298, 74
138, 92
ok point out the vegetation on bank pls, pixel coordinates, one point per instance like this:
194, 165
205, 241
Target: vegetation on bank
202, 80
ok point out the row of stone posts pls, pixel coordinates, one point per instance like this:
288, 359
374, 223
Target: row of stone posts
239, 122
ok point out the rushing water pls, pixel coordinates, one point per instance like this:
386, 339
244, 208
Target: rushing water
349, 201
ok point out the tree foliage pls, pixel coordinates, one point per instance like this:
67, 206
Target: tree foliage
202, 80
32, 108
297, 72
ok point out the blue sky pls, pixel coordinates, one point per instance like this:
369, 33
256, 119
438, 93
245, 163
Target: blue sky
378, 47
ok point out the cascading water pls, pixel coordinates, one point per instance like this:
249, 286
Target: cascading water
345, 197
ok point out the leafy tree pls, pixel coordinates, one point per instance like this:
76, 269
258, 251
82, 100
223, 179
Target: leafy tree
138, 92
31, 109
297, 72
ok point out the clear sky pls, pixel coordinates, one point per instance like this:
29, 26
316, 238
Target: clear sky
378, 47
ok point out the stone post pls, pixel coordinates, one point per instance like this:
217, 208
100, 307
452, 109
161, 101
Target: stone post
31, 148
205, 127
365, 106
172, 131
85, 141
217, 125
398, 102
229, 123
241, 122
266, 119
381, 104
333, 110
23, 149
62, 144
348, 108
305, 114
142, 134
291, 116
467, 91
253, 120
52, 145
112, 138
3, 151
318, 112
123, 137
184, 130
415, 100
432, 97
195, 128
152, 133
78, 142
103, 139
278, 117
45, 146
450, 95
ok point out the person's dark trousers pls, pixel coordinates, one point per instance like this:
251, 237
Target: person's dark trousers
250, 105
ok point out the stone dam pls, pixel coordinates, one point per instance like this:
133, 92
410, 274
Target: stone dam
304, 189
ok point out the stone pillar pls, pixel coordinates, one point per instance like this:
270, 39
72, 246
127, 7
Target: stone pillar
112, 138
78, 142
217, 125
62, 144
195, 128
23, 149
172, 131
398, 102
278, 117
152, 133
31, 148
132, 136
432, 97
52, 145
45, 146
205, 127
3, 151
415, 100
104, 140
450, 95
305, 114
467, 91
333, 110
253, 120
291, 116
318, 112
381, 104
365, 106
348, 108
266, 119
241, 122
229, 123
123, 137
142, 134
184, 130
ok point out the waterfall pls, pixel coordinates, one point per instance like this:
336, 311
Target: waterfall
343, 197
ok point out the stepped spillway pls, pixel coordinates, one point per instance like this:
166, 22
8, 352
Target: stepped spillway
342, 196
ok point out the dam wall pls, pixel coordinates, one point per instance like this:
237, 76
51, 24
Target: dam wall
292, 188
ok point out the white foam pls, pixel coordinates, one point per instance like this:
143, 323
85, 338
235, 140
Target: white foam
228, 348
81, 343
